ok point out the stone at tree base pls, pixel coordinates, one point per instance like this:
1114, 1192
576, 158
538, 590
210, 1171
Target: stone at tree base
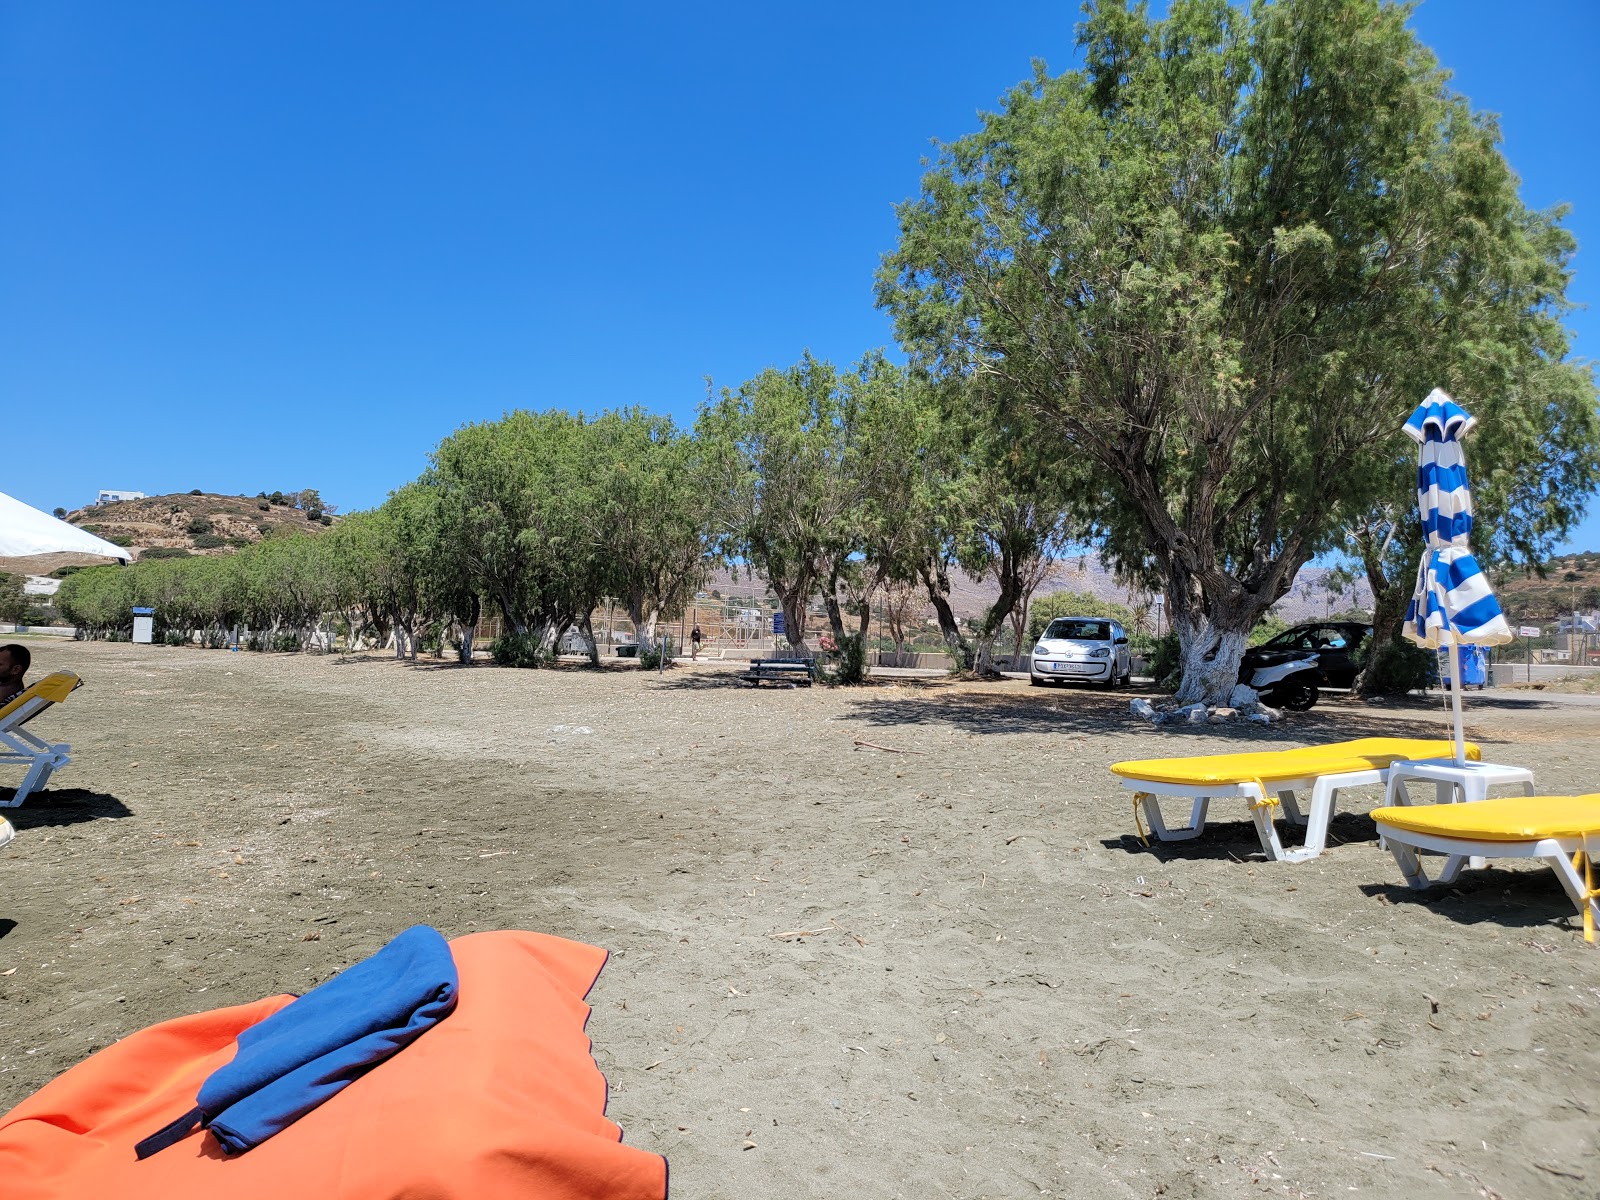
1243, 696
1140, 707
1220, 715
1198, 715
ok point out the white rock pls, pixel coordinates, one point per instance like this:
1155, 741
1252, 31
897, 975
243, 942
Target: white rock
1272, 714
1198, 715
1220, 715
1140, 707
1260, 718
1243, 696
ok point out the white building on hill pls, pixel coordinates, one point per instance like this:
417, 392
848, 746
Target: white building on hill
111, 496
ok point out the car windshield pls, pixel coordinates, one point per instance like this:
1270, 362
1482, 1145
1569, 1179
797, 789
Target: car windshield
1075, 629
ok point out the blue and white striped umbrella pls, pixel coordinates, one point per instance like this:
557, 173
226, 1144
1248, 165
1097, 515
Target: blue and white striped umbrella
1453, 603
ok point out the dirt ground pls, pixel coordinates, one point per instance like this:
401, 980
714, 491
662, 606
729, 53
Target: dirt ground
951, 971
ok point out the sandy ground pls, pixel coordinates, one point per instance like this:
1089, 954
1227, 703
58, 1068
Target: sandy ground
835, 971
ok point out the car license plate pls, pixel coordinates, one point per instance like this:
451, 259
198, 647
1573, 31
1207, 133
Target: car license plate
1075, 668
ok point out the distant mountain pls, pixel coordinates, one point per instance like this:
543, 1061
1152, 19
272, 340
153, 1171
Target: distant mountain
1308, 600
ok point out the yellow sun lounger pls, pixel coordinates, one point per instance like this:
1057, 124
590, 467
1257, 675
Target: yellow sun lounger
1267, 779
1559, 829
18, 747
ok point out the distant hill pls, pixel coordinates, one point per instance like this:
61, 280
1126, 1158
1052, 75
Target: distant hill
1309, 599
203, 524
1571, 581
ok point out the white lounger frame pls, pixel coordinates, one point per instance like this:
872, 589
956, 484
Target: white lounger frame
1558, 852
18, 747
1323, 789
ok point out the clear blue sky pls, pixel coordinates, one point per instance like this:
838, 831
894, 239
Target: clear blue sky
249, 247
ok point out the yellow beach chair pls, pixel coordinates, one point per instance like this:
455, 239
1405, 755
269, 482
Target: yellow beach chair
1269, 779
1558, 829
18, 747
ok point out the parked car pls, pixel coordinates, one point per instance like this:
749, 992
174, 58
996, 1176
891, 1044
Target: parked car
1334, 643
1087, 649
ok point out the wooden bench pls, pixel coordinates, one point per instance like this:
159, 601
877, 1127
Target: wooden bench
792, 672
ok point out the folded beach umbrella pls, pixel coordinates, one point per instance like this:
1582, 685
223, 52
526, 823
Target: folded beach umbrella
1453, 604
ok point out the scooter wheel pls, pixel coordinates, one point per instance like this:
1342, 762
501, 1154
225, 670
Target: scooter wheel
1298, 697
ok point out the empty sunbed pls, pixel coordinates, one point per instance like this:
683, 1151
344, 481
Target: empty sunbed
1558, 829
1269, 779
19, 747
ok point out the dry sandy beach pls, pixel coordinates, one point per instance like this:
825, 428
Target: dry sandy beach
835, 970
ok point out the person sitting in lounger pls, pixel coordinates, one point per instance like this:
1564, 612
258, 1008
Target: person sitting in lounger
14, 663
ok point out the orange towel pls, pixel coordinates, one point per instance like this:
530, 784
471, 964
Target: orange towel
500, 1102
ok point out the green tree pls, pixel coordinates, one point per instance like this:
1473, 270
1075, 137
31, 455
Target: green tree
1221, 264
778, 463
652, 516
13, 599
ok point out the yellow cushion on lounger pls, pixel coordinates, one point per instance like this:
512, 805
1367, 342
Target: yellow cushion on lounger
1503, 819
54, 688
1363, 754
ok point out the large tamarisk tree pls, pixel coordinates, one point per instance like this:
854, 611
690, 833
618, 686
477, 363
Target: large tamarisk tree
1220, 263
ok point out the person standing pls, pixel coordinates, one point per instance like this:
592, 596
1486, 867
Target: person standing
694, 643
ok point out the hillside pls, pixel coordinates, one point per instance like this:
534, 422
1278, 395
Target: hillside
1569, 582
203, 524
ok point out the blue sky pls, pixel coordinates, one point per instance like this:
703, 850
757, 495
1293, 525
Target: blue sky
249, 247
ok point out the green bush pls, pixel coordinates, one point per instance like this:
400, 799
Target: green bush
200, 525
264, 506
650, 660
120, 539
850, 662
209, 541
1165, 659
176, 637
287, 642
324, 519
1394, 668
518, 650
196, 492
164, 552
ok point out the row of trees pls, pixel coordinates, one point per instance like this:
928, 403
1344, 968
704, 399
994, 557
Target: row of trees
1175, 305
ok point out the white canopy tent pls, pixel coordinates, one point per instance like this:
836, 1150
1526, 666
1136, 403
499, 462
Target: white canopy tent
24, 531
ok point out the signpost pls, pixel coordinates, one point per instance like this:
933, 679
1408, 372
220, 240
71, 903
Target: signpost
1529, 631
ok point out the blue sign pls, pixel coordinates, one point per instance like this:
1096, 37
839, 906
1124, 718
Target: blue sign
777, 622
144, 612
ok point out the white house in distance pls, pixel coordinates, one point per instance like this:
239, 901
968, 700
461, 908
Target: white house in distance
112, 495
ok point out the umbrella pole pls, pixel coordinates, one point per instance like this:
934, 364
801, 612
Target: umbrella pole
1455, 702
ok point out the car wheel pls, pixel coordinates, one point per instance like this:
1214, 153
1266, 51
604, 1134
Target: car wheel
1034, 680
1298, 697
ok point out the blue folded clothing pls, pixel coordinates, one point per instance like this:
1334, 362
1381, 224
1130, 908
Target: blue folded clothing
307, 1052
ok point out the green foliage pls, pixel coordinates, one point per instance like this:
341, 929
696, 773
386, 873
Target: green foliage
850, 662
1394, 668
196, 492
264, 506
651, 658
200, 525
1166, 660
13, 599
1223, 262
1267, 628
1073, 604
209, 541
518, 650
164, 552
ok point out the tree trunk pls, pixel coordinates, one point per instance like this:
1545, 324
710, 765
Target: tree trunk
937, 581
794, 619
1389, 600
586, 625
995, 620
1209, 654
830, 602
469, 623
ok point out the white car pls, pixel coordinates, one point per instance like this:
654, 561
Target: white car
1092, 649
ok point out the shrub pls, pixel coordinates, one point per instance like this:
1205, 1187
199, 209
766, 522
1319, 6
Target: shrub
199, 525
164, 552
120, 539
276, 498
176, 637
651, 660
209, 541
264, 506
286, 642
196, 492
324, 519
1165, 659
1394, 668
850, 664
63, 572
239, 543
313, 514
58, 512
518, 650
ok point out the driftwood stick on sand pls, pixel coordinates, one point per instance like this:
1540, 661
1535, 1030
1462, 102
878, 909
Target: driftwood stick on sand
863, 744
